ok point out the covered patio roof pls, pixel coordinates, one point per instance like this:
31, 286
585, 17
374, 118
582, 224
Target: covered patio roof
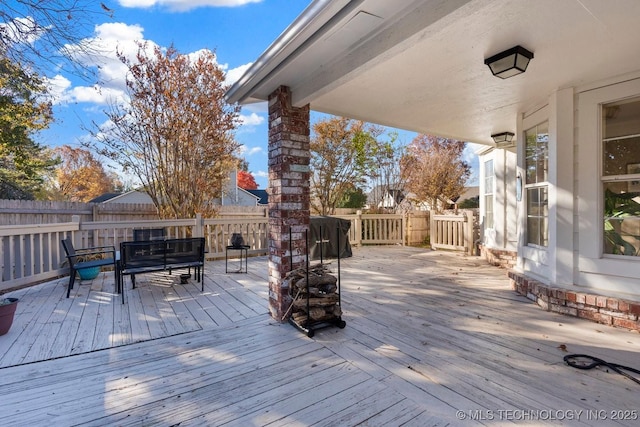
419, 64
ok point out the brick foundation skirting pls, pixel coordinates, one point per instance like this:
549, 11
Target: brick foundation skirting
499, 258
598, 308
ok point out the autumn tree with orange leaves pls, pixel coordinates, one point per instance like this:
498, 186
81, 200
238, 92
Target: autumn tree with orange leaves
80, 176
176, 132
433, 170
246, 181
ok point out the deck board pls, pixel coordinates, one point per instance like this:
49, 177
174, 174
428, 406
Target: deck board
428, 334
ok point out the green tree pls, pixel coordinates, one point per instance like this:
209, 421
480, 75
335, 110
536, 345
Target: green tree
386, 181
471, 203
23, 162
341, 158
176, 133
434, 170
354, 198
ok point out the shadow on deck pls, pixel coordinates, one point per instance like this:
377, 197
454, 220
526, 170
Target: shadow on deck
432, 338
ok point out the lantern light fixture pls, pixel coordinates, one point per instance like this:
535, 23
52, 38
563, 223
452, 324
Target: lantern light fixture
509, 63
503, 139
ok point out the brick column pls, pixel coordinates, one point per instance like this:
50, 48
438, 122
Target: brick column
288, 193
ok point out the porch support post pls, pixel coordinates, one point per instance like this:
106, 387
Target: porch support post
289, 175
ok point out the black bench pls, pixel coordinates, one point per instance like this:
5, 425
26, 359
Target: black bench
146, 234
159, 255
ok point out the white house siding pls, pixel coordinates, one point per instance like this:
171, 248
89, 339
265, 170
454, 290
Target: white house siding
503, 235
574, 255
553, 264
610, 273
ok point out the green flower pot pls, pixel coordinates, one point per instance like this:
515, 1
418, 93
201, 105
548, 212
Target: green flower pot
89, 273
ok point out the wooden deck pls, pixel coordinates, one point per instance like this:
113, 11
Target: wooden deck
431, 338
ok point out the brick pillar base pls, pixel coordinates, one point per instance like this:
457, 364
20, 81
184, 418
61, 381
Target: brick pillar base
288, 194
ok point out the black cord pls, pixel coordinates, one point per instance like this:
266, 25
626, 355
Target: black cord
570, 360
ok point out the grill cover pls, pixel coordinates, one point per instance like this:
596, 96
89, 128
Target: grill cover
323, 236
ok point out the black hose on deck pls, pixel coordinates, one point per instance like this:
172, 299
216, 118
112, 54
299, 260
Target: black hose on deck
573, 361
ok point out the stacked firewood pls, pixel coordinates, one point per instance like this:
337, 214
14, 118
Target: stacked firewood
321, 292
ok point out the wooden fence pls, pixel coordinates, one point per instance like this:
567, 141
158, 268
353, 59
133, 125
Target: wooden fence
376, 229
455, 232
24, 212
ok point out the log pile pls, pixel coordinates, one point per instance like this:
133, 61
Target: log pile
321, 293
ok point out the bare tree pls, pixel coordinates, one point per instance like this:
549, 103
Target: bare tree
176, 132
51, 32
341, 158
434, 169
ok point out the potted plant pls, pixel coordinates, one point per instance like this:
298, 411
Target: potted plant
88, 273
7, 310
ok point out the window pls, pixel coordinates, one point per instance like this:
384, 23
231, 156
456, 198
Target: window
488, 194
536, 185
621, 177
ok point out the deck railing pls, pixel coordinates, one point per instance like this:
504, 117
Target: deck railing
376, 229
454, 231
33, 253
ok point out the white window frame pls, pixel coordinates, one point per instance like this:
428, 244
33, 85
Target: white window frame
489, 194
541, 187
628, 177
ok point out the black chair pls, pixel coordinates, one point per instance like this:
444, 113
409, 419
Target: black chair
77, 259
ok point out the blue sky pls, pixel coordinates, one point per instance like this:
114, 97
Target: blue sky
237, 30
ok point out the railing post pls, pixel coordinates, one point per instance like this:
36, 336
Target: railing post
198, 229
405, 228
468, 233
358, 228
432, 230
75, 237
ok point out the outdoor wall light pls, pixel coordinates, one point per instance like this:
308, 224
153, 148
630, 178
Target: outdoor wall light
502, 138
509, 63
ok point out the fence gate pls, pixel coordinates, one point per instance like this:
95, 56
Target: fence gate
454, 231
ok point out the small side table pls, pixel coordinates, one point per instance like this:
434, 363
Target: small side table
118, 284
244, 252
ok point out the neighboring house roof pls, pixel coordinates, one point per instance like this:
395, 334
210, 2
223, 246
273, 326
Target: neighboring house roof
262, 195
104, 197
240, 197
133, 196
385, 196
419, 65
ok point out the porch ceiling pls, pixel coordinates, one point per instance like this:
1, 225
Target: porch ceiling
419, 65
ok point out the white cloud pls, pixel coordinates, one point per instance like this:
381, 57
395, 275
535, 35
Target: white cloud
21, 30
234, 74
258, 107
261, 174
254, 150
469, 155
58, 86
97, 95
109, 40
251, 120
184, 5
